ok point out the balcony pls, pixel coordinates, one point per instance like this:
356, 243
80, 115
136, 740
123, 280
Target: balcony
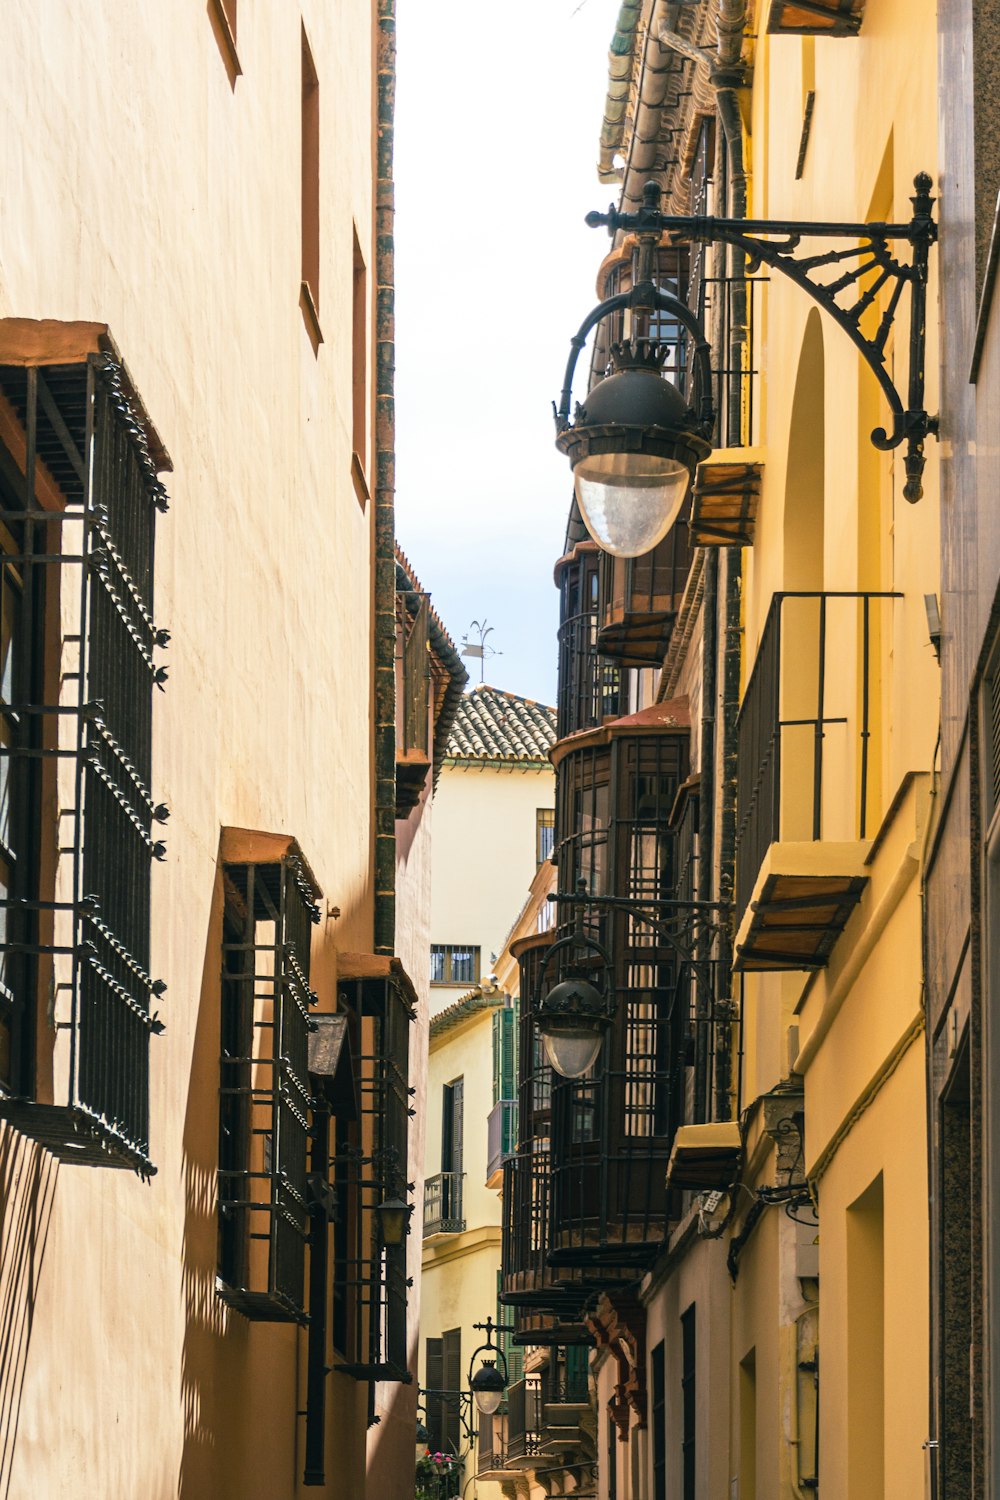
443, 1204
591, 687
501, 1139
809, 794
639, 598
524, 1423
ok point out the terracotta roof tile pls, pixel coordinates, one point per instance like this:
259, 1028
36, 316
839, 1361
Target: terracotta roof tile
495, 726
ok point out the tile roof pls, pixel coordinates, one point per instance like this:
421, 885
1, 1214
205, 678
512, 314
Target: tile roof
495, 726
481, 998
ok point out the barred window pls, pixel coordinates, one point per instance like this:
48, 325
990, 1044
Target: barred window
454, 963
77, 671
545, 833
264, 1096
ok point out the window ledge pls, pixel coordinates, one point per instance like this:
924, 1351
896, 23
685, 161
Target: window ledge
310, 316
226, 40
360, 482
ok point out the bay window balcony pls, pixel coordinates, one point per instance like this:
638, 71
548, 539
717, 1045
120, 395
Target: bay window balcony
611, 1130
443, 1204
591, 686
501, 1138
810, 793
545, 1305
639, 598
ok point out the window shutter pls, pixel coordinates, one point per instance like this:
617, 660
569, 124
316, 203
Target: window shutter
457, 1123
434, 1375
451, 1361
504, 1043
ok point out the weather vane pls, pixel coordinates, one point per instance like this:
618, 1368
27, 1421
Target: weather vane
482, 650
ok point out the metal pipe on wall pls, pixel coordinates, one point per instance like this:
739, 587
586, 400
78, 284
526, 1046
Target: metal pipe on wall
385, 488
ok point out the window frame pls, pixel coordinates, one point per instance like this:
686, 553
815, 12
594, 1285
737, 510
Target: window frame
446, 952
79, 498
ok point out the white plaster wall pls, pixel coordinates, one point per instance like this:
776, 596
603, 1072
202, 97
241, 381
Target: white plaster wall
484, 857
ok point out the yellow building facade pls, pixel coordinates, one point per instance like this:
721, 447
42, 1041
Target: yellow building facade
751, 1269
492, 838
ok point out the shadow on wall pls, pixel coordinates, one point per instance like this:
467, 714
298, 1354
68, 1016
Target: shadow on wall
28, 1176
211, 1385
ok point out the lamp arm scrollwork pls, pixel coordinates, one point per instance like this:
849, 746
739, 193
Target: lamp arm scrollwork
776, 243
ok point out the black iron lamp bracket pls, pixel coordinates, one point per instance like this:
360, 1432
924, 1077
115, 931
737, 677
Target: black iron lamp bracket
490, 1328
668, 919
460, 1402
645, 296
866, 269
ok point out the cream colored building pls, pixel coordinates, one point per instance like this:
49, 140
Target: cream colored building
741, 1189
492, 821
196, 292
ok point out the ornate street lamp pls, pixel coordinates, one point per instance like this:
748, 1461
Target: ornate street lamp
635, 441
574, 1014
488, 1384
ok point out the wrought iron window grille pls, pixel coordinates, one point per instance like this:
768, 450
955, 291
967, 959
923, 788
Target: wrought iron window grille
78, 672
264, 1095
370, 1167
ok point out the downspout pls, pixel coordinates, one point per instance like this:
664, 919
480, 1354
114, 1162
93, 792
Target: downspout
726, 77
385, 489
725, 73
706, 819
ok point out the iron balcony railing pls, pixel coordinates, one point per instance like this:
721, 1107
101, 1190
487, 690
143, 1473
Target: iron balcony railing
524, 1418
813, 706
490, 1445
443, 1204
501, 1134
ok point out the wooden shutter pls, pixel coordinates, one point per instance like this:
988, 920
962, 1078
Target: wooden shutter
451, 1362
434, 1375
504, 1043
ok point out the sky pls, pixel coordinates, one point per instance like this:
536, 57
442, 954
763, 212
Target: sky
498, 117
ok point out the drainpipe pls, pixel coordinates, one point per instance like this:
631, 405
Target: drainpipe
725, 74
385, 490
706, 817
731, 649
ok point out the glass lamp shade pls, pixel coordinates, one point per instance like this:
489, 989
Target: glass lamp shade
572, 1051
487, 1387
392, 1217
629, 501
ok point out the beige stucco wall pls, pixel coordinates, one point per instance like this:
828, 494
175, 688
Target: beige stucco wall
140, 189
459, 1286
484, 857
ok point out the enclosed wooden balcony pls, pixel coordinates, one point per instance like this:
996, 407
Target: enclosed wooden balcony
545, 1305
612, 1129
443, 1204
591, 686
811, 730
815, 17
501, 1139
639, 598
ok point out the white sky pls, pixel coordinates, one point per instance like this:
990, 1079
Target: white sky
498, 116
